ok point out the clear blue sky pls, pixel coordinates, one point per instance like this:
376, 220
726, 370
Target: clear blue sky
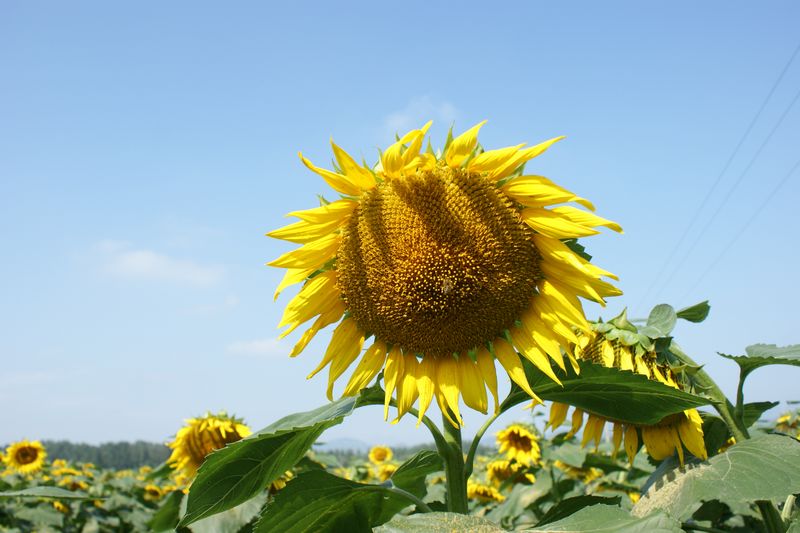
145, 149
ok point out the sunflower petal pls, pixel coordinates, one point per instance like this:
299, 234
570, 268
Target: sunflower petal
509, 359
334, 211
521, 157
327, 318
553, 225
345, 336
426, 372
489, 374
360, 176
538, 191
492, 159
407, 386
371, 363
392, 370
311, 255
472, 386
338, 182
525, 344
462, 146
447, 377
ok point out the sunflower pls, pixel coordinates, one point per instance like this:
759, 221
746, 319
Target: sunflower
502, 470
201, 436
25, 457
380, 454
483, 493
386, 470
152, 493
519, 444
586, 475
447, 262
662, 440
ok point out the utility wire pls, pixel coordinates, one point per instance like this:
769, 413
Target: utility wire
719, 177
730, 192
743, 228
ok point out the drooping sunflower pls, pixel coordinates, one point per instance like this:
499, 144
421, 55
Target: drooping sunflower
502, 470
380, 454
483, 493
669, 436
519, 444
25, 457
201, 436
447, 261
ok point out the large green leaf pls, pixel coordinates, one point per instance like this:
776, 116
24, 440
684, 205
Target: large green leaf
439, 523
232, 520
410, 476
759, 355
236, 473
321, 502
612, 519
752, 411
695, 313
570, 506
766, 467
608, 392
168, 515
47, 492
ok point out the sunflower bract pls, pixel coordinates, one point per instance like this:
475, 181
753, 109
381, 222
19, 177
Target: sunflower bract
439, 265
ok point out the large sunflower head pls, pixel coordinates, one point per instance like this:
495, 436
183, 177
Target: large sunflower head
201, 436
447, 261
671, 435
25, 457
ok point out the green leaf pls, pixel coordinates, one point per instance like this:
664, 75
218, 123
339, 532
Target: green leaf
321, 502
608, 392
753, 411
232, 520
715, 432
759, 355
439, 523
236, 473
766, 467
162, 471
40, 516
168, 515
410, 476
48, 492
611, 519
662, 318
569, 506
695, 313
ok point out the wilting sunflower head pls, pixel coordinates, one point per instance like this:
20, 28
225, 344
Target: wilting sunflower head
25, 457
152, 493
201, 436
483, 493
671, 435
386, 470
380, 454
503, 470
447, 261
519, 444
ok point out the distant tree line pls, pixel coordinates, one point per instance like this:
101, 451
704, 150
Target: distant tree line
116, 455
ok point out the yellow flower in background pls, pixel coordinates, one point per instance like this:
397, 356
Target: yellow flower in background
380, 454
518, 443
386, 470
586, 475
499, 471
25, 457
670, 435
153, 493
201, 436
60, 507
59, 463
483, 493
281, 482
448, 261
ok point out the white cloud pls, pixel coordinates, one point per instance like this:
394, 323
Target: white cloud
418, 112
230, 302
259, 348
122, 260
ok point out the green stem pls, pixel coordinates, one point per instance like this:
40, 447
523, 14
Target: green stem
772, 519
725, 410
738, 412
788, 508
454, 468
473, 449
407, 495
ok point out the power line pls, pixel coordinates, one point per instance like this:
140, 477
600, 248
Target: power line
719, 177
702, 232
743, 228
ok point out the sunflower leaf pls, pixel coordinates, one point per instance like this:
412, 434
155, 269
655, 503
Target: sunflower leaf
240, 471
766, 467
608, 392
695, 313
47, 492
612, 519
410, 476
759, 355
662, 318
439, 523
570, 506
321, 502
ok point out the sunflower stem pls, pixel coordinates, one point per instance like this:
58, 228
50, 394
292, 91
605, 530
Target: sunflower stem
473, 449
772, 518
453, 456
410, 497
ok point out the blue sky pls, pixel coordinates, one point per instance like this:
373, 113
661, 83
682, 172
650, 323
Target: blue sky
145, 149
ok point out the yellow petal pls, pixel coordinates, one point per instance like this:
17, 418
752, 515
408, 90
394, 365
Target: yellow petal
616, 438
292, 276
520, 158
564, 303
509, 359
555, 249
462, 146
311, 255
631, 443
448, 382
577, 422
393, 369
337, 181
554, 225
492, 159
407, 386
303, 232
578, 216
317, 294
486, 367
334, 211
360, 176
691, 432
525, 344
395, 158
371, 363
538, 191
426, 372
327, 318
472, 386
558, 413
344, 337
352, 343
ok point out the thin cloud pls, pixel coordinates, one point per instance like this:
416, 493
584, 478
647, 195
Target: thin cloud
258, 348
418, 112
124, 261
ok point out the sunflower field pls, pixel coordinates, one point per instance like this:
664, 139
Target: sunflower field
442, 273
